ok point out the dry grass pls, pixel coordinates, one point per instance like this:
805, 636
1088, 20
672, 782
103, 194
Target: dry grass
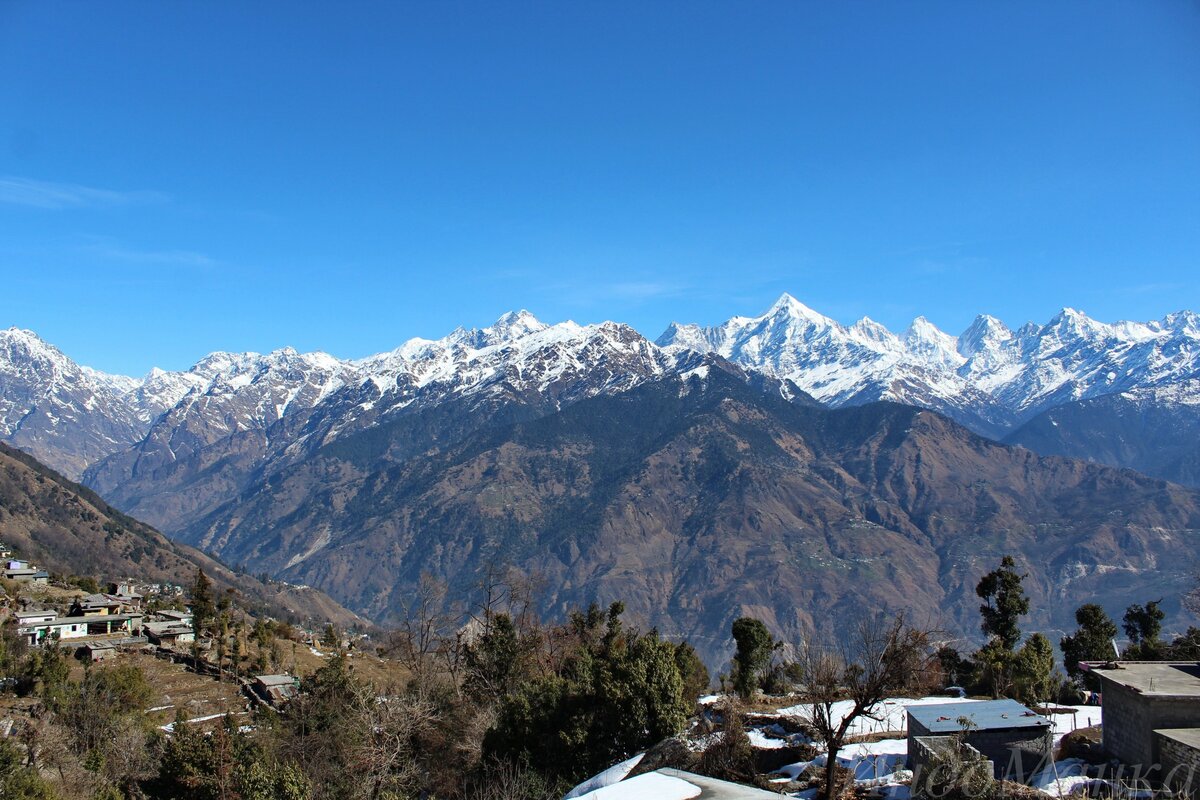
878, 736
41, 594
298, 659
176, 687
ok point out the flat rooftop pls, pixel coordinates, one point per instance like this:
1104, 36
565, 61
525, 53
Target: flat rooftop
1187, 736
97, 619
1159, 678
990, 715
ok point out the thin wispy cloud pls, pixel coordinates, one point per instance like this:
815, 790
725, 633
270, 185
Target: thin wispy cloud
128, 255
54, 195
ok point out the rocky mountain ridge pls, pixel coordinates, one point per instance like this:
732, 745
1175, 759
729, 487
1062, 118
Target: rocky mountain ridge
990, 378
664, 474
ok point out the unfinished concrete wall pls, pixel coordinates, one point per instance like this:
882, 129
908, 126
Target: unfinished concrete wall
1130, 719
1016, 754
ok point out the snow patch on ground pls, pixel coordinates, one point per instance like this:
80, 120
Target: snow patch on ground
874, 762
1061, 778
890, 715
170, 726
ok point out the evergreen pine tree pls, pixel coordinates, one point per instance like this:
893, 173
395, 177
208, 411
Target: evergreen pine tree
1092, 641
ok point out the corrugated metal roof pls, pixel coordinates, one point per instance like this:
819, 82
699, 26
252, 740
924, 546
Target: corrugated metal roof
276, 680
988, 715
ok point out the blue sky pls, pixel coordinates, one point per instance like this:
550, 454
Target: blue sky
182, 177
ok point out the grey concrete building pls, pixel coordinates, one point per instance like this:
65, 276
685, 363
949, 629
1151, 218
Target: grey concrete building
1015, 739
1141, 697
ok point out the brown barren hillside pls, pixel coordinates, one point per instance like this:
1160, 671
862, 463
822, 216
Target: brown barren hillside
70, 530
698, 501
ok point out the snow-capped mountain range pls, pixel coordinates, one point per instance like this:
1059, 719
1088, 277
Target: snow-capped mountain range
990, 377
691, 477
73, 417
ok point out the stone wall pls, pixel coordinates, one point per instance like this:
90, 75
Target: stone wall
1179, 757
932, 757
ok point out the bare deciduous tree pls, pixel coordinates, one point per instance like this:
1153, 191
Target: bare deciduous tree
387, 756
1191, 600
850, 680
424, 633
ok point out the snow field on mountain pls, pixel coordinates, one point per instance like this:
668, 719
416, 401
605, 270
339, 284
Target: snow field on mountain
990, 378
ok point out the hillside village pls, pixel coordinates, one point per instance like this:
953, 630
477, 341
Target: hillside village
1134, 732
133, 616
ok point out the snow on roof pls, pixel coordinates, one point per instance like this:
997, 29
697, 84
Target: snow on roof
650, 786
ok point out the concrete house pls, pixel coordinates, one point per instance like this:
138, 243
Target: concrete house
96, 651
127, 590
1152, 717
33, 616
275, 689
94, 605
68, 628
26, 574
1013, 738
168, 633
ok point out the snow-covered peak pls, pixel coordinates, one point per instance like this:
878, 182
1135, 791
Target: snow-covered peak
1003, 375
513, 325
66, 414
926, 342
18, 345
121, 384
26, 358
689, 337
510, 327
1183, 322
985, 333
1072, 323
874, 335
790, 309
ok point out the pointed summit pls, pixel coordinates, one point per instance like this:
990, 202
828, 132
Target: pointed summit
922, 328
517, 322
509, 327
791, 308
1073, 322
929, 343
873, 335
985, 333
1068, 315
